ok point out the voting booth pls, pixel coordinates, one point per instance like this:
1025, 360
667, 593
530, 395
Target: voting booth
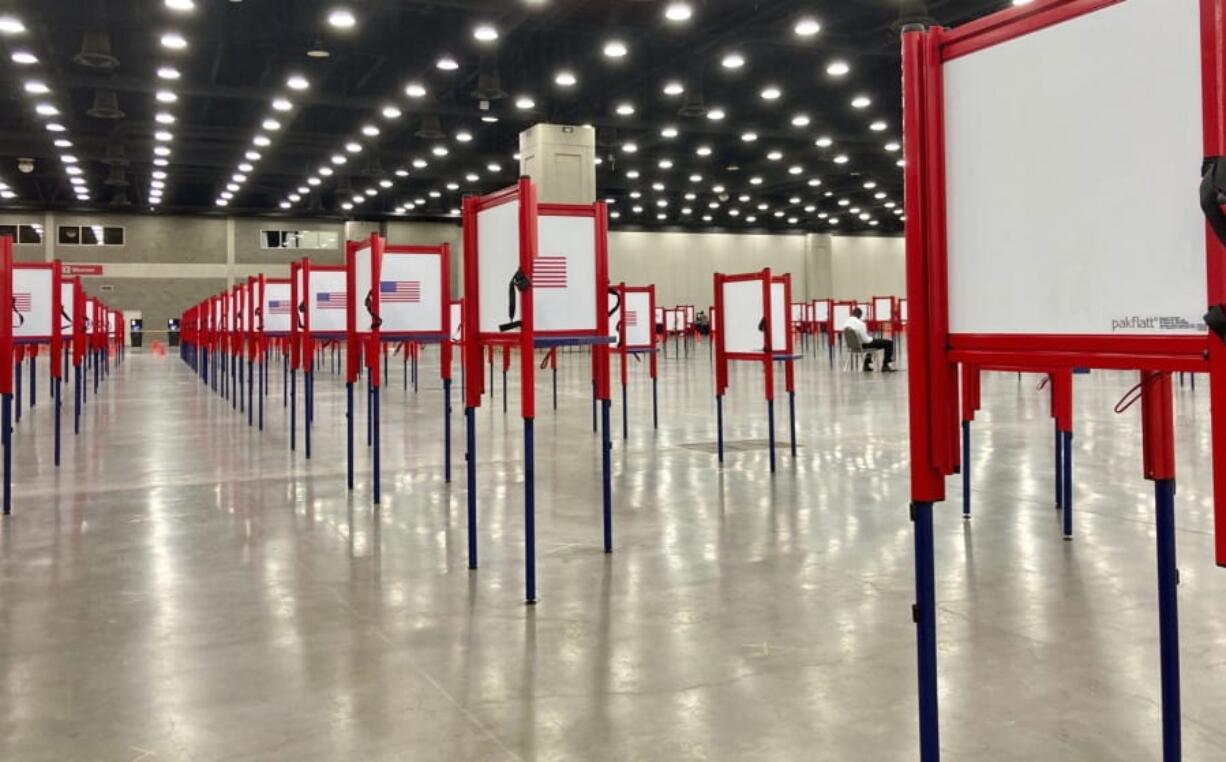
1053, 152
534, 276
755, 327
630, 323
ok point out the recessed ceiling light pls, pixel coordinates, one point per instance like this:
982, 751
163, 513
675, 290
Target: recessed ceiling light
447, 63
161, 151
34, 87
353, 147
657, 187
524, 103
755, 180
841, 159
173, 41
415, 90
297, 82
272, 125
485, 33
166, 96
252, 156
678, 12
439, 151
625, 109
669, 132
565, 78
464, 136
733, 61
861, 101
632, 174
339, 159
665, 164
63, 143
673, 88
629, 147
160, 162
796, 170
838, 68
72, 170
703, 150
391, 112
716, 114
775, 155
245, 167
370, 131
10, 25
807, 27
164, 117
814, 182
615, 49
695, 178
771, 93
24, 58
489, 119
824, 142
420, 164
326, 171
46, 109
800, 120
314, 182
168, 72
262, 141
341, 18
878, 126
163, 136
68, 159
892, 147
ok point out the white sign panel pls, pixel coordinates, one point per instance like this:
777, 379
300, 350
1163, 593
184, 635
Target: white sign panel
457, 322
363, 290
32, 318
635, 317
779, 317
821, 312
564, 275
498, 244
1071, 172
883, 308
410, 293
674, 320
67, 307
278, 308
841, 314
744, 315
326, 303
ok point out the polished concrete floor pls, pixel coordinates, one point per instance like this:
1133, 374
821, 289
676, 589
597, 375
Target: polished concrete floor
186, 588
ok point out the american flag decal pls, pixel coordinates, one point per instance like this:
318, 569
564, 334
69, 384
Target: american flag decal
632, 318
278, 307
22, 302
549, 272
406, 291
331, 300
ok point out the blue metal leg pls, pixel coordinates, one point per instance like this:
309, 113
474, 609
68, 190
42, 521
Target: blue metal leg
1068, 485
1168, 618
250, 391
593, 407
369, 413
625, 414
6, 420
925, 616
555, 388
831, 355
263, 390
307, 413
293, 411
17, 394
415, 367
770, 424
655, 407
966, 469
529, 514
76, 401
447, 430
33, 381
349, 433
792, 419
285, 383
55, 385
374, 416
606, 457
470, 457
719, 425
504, 391
1059, 469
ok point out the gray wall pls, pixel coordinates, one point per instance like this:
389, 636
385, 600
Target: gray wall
169, 262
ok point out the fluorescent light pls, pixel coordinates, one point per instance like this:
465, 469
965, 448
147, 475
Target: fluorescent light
24, 58
807, 27
615, 49
678, 12
447, 63
485, 33
297, 82
342, 18
10, 25
168, 72
838, 68
565, 79
173, 41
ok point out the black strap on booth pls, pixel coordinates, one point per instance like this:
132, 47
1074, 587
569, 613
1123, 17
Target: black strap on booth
21, 319
1213, 194
519, 282
375, 320
612, 312
64, 314
762, 329
259, 321
300, 312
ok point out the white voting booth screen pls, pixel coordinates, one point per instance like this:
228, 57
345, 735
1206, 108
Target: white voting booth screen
1069, 153
277, 309
798, 313
32, 303
883, 308
744, 312
363, 275
902, 310
327, 300
498, 242
779, 317
634, 314
457, 322
821, 312
674, 321
564, 274
659, 316
841, 313
615, 315
68, 307
410, 293
110, 321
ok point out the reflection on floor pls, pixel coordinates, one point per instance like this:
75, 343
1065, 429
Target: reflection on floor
185, 587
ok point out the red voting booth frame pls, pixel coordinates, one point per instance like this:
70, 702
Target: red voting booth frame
625, 350
768, 357
521, 334
30, 344
935, 352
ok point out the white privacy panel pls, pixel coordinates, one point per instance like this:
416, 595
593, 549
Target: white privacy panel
278, 309
1072, 163
659, 316
798, 313
744, 313
411, 293
636, 316
326, 303
68, 308
31, 303
714, 322
110, 321
457, 321
615, 314
689, 315
498, 244
779, 317
298, 311
841, 313
883, 308
564, 275
674, 321
363, 275
821, 312
902, 310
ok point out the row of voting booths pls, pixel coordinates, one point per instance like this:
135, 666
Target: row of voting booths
49, 315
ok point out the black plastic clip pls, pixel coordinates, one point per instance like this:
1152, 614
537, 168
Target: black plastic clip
375, 320
21, 319
1215, 318
519, 283
1213, 194
915, 613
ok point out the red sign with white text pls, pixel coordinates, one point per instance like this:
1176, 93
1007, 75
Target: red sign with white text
68, 269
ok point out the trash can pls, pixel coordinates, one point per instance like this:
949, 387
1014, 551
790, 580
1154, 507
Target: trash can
172, 331
136, 330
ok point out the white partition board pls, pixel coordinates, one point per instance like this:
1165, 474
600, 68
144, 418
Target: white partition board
1071, 169
634, 315
902, 310
327, 300
564, 275
277, 308
866, 310
410, 293
363, 275
841, 313
779, 318
457, 322
745, 313
821, 312
714, 322
674, 321
32, 302
883, 308
110, 321
689, 315
798, 313
68, 307
498, 244
615, 315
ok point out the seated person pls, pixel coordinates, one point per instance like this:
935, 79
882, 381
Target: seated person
868, 342
702, 323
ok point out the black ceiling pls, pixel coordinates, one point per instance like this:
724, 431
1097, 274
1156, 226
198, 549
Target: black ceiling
240, 54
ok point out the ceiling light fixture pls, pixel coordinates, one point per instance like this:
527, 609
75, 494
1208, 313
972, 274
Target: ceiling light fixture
615, 49
838, 68
173, 41
807, 27
447, 63
297, 82
678, 12
565, 78
24, 58
733, 61
341, 18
